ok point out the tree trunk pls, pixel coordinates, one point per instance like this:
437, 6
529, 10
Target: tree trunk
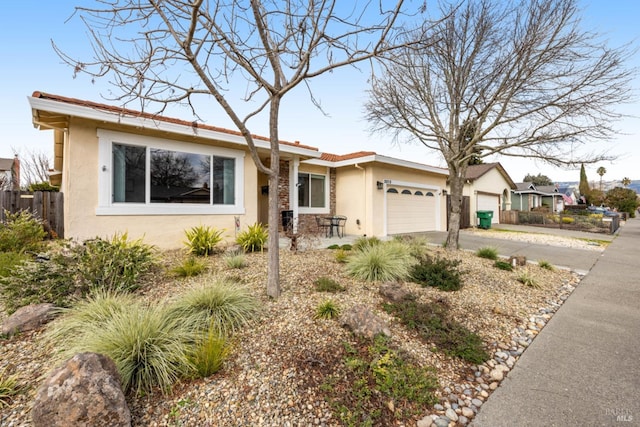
273, 276
456, 185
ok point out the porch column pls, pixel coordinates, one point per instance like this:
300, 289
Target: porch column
294, 165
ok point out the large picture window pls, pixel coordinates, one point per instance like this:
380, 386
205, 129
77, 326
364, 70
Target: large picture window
311, 190
152, 176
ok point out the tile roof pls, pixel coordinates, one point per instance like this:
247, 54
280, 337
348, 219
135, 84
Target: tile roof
140, 114
337, 158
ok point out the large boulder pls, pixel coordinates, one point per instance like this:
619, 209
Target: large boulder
84, 391
395, 292
28, 318
362, 321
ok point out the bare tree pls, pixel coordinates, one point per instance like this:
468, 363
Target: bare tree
34, 167
167, 52
513, 78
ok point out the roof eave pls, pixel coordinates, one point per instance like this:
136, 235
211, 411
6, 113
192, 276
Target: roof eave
71, 110
379, 159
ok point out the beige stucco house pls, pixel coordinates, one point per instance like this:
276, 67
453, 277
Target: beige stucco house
488, 187
154, 177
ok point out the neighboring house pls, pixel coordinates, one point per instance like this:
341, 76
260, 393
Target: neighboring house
154, 177
488, 186
569, 194
528, 197
10, 174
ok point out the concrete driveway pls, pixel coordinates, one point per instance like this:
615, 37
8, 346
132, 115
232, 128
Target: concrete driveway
579, 260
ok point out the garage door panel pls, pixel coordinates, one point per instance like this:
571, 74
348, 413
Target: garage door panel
410, 213
487, 202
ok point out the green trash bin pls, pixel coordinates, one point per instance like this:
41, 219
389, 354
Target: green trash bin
484, 219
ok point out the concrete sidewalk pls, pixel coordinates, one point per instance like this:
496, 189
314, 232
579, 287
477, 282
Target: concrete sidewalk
583, 369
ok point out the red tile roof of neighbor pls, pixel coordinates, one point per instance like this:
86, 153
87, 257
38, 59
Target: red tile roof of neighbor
134, 113
336, 158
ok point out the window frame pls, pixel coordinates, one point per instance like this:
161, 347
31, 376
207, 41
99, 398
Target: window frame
314, 210
106, 206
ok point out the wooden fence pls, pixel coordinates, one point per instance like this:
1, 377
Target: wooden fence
591, 223
45, 205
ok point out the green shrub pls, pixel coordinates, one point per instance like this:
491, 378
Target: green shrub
380, 262
50, 279
202, 240
325, 284
43, 186
224, 304
341, 256
115, 264
488, 253
365, 242
190, 267
10, 261
546, 265
333, 247
209, 353
567, 220
21, 232
346, 247
254, 238
327, 310
503, 265
433, 324
376, 374
528, 280
8, 387
235, 260
437, 272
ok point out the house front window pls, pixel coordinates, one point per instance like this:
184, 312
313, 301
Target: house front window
311, 190
144, 175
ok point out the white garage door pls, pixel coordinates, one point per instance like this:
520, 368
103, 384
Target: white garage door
490, 202
410, 210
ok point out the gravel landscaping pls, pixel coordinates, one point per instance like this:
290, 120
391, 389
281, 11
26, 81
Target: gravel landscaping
278, 372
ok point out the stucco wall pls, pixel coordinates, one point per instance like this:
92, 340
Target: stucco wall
80, 185
358, 198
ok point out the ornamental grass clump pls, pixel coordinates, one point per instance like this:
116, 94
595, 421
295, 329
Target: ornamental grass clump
254, 238
209, 353
488, 252
226, 305
235, 259
8, 387
380, 262
327, 310
189, 267
148, 346
202, 240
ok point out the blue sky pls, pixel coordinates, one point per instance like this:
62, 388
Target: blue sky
29, 64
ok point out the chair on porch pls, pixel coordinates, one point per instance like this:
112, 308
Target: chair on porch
324, 224
341, 221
